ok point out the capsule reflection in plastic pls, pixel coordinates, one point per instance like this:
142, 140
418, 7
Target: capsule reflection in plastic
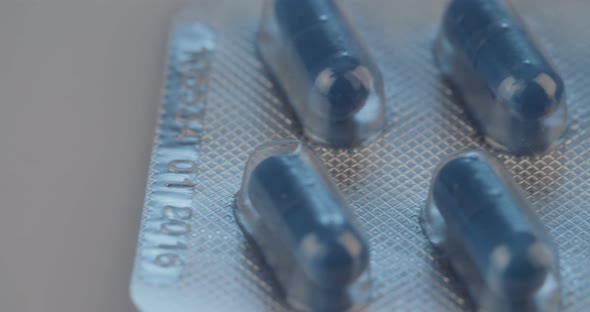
510, 89
289, 205
478, 216
323, 68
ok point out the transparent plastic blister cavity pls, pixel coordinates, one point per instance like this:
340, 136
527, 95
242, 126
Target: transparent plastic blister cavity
510, 89
297, 217
480, 219
323, 67
223, 103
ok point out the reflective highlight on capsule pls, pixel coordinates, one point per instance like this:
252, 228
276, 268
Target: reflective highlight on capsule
291, 208
332, 83
478, 216
509, 88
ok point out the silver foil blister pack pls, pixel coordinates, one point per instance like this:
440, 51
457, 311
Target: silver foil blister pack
219, 103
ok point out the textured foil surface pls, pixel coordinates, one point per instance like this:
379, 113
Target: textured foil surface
219, 103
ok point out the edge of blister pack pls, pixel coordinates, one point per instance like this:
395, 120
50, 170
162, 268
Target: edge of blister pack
165, 228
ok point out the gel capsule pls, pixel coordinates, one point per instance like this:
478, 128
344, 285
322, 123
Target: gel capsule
509, 88
477, 214
291, 208
327, 75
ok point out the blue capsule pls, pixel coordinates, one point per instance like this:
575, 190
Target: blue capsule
291, 208
477, 214
329, 78
512, 92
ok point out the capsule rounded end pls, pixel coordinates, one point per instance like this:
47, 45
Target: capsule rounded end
535, 97
522, 265
347, 105
344, 86
334, 259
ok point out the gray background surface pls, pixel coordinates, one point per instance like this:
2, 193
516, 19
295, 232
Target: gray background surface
79, 91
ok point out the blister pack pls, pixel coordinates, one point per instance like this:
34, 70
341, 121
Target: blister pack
220, 102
